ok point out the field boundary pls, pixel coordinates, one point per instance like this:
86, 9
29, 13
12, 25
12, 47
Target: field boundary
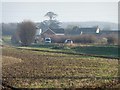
72, 53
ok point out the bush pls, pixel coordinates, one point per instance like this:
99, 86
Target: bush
111, 39
76, 39
27, 30
58, 39
102, 40
15, 39
85, 39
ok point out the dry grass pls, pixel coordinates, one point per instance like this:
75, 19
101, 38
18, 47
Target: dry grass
7, 60
28, 66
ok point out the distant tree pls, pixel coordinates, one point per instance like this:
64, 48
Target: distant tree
27, 30
15, 38
112, 39
70, 26
8, 28
51, 15
54, 24
44, 25
51, 23
75, 28
71, 30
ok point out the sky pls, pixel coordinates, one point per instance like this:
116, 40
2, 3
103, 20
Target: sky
66, 11
60, 0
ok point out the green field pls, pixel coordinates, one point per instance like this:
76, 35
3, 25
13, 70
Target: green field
6, 39
101, 50
98, 50
37, 69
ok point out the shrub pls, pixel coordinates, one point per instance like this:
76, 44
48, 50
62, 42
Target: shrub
58, 39
111, 39
15, 38
27, 30
102, 40
84, 39
76, 39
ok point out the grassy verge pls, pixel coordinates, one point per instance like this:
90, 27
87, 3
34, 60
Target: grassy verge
7, 40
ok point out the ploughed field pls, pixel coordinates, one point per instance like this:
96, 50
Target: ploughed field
37, 69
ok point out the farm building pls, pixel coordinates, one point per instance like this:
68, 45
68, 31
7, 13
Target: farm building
90, 30
110, 32
85, 30
50, 32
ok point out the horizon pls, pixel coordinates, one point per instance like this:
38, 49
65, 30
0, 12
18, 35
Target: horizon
83, 24
63, 22
67, 11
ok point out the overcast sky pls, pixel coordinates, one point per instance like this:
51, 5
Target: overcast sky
67, 11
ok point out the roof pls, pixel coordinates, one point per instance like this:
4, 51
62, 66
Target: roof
85, 30
109, 32
58, 31
88, 30
49, 30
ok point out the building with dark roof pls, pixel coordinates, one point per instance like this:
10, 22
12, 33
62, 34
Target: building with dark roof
90, 30
59, 31
110, 32
86, 30
50, 32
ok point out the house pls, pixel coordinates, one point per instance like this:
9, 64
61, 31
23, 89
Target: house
50, 32
90, 30
40, 36
86, 30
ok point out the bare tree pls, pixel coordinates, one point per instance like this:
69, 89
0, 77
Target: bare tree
27, 30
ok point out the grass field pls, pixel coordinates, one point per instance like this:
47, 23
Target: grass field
98, 50
102, 50
36, 69
6, 40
